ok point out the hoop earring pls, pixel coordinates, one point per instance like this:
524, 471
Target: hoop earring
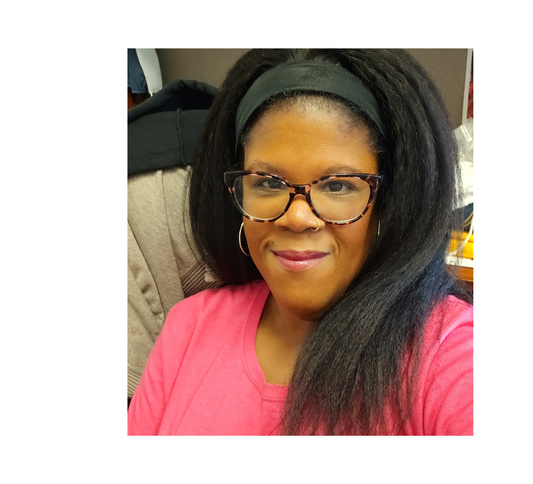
317, 226
240, 245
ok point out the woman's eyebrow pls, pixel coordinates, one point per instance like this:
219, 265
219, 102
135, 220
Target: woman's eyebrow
330, 170
263, 166
341, 169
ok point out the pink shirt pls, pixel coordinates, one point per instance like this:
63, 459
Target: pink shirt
203, 377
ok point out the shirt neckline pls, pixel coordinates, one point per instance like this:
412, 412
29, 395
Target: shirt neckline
255, 373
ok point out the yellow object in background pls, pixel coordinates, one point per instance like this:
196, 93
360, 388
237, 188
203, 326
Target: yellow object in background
468, 250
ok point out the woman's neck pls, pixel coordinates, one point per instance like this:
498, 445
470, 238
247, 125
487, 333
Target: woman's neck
288, 328
280, 335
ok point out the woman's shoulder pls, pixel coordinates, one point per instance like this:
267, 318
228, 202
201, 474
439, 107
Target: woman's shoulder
220, 303
224, 295
450, 315
446, 377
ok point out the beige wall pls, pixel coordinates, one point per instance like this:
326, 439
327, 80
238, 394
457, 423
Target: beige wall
206, 65
447, 67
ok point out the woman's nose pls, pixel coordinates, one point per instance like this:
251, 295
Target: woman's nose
299, 216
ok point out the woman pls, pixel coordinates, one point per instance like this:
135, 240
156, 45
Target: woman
324, 202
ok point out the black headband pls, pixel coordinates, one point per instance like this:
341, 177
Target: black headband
307, 76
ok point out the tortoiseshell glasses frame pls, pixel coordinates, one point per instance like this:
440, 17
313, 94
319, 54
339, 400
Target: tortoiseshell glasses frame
373, 181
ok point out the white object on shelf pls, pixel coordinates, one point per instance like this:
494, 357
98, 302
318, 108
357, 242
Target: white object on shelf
151, 69
459, 261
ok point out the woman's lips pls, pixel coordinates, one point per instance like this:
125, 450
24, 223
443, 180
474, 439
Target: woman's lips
299, 260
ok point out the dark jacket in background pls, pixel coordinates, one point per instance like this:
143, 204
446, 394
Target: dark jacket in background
163, 131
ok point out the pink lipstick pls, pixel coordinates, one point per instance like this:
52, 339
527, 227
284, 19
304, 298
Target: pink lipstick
299, 260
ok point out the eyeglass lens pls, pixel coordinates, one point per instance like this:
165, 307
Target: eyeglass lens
336, 198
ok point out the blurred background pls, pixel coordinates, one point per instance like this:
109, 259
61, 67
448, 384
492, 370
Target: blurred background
451, 69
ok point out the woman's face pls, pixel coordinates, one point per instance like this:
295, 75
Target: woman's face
302, 145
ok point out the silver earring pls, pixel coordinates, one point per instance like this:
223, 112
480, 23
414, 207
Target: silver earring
240, 245
379, 223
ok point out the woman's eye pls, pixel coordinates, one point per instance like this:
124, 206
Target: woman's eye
270, 184
337, 186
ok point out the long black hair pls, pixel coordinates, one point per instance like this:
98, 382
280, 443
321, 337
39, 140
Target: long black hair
351, 368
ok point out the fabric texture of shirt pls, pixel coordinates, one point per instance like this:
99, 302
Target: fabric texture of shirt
203, 376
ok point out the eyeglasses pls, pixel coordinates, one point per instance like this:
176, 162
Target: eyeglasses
339, 199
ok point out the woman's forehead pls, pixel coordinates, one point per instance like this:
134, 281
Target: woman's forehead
308, 144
